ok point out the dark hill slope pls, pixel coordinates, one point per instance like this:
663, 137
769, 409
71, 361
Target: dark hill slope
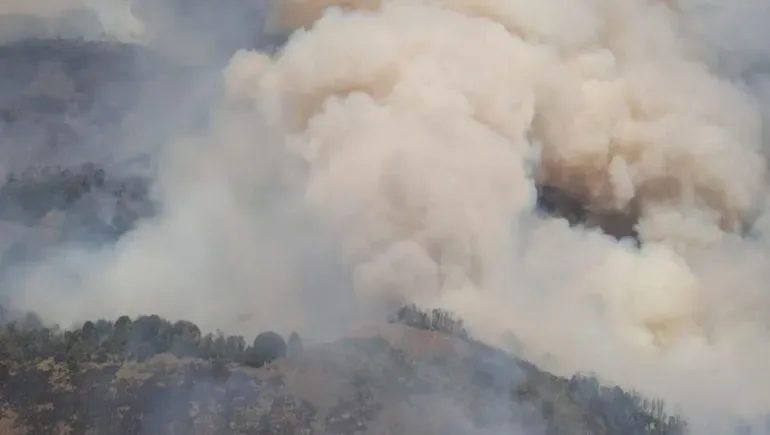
390, 379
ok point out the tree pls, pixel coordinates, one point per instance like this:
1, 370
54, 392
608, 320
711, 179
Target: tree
120, 335
186, 338
268, 346
294, 346
31, 321
88, 330
152, 331
220, 345
123, 325
235, 345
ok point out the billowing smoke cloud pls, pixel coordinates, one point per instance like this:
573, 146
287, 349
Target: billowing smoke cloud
418, 123
406, 138
91, 19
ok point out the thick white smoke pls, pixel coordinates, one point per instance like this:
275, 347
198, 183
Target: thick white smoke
414, 131
416, 121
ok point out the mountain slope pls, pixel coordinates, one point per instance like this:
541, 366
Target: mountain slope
389, 379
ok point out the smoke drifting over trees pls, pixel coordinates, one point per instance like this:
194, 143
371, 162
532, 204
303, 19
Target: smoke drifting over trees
314, 165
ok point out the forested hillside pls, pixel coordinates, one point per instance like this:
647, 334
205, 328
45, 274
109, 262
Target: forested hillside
151, 376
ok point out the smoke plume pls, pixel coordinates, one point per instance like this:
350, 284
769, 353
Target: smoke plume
388, 153
90, 19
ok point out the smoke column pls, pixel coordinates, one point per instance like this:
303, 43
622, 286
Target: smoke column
423, 126
410, 134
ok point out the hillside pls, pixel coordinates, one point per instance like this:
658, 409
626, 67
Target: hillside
148, 376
